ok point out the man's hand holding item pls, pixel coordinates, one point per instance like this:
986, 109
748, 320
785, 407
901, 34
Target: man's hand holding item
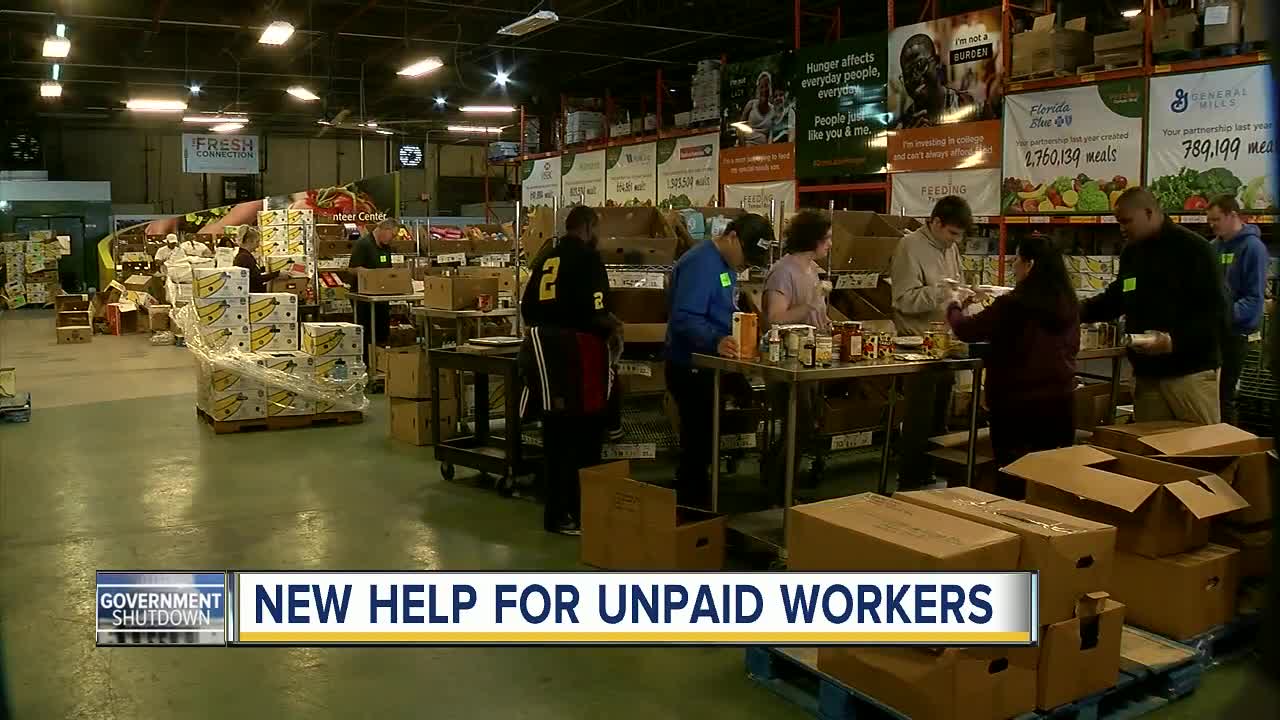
727, 347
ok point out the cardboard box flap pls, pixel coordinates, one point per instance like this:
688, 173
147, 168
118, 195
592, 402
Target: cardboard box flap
1212, 497
1069, 470
1014, 514
631, 502
929, 532
1198, 440
1144, 429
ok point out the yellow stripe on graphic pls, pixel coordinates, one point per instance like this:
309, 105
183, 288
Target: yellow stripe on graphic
771, 638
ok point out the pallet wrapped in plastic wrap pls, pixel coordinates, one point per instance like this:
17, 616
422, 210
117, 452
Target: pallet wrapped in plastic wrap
234, 384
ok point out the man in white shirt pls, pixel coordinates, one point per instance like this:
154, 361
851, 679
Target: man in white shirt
924, 264
194, 248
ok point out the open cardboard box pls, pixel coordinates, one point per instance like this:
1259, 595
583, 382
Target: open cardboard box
1178, 596
1158, 508
632, 525
869, 532
1074, 556
1081, 656
940, 684
1241, 458
866, 240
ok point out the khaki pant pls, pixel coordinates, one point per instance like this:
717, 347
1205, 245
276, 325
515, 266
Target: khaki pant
1189, 398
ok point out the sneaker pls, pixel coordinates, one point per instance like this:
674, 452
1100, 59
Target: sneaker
568, 527
616, 434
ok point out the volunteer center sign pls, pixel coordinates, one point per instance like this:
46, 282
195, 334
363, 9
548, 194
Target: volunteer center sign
220, 154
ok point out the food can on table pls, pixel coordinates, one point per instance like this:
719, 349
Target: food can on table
484, 302
823, 350
746, 333
792, 342
871, 346
938, 340
775, 346
851, 342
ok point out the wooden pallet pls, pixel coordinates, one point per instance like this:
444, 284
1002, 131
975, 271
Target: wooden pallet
16, 409
1041, 75
1154, 672
1107, 67
1231, 640
289, 422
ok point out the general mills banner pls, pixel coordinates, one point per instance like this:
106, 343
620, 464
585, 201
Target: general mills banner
582, 178
540, 182
631, 176
1072, 150
220, 154
688, 171
1212, 134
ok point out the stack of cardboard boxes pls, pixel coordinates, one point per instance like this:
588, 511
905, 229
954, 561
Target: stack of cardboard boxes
1050, 50
337, 348
73, 321
964, 530
30, 268
281, 399
1120, 49
706, 91
583, 125
220, 298
410, 398
288, 243
273, 322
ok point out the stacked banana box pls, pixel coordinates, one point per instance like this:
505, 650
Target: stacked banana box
337, 351
288, 238
1092, 273
980, 269
31, 268
282, 401
220, 297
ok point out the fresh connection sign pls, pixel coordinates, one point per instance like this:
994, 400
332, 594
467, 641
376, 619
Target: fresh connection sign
220, 154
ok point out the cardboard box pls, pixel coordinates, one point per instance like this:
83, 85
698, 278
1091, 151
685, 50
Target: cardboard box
1173, 41
237, 337
951, 457
272, 308
506, 277
243, 404
384, 281
1047, 50
1081, 656
644, 332
939, 684
211, 282
409, 377
1221, 21
457, 293
63, 303
1254, 544
632, 525
1255, 20
273, 337
411, 421
285, 235
72, 318
122, 318
324, 366
1241, 458
149, 284
1074, 556
1178, 596
328, 248
158, 318
282, 398
380, 357
1118, 41
865, 240
1158, 508
293, 286
330, 231
333, 338
74, 334
277, 263
869, 532
221, 311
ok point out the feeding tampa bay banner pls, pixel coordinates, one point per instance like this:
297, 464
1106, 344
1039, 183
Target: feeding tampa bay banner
1212, 134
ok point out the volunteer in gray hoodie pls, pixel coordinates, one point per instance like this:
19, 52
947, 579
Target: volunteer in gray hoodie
1243, 261
923, 263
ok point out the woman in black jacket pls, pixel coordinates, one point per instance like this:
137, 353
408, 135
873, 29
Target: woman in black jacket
258, 279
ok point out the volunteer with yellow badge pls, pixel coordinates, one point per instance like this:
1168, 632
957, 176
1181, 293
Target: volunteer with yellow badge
372, 251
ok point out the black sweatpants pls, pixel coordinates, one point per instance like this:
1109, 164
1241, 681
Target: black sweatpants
568, 445
1234, 348
369, 313
692, 389
1046, 424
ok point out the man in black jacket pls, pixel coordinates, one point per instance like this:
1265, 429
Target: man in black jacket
373, 250
1169, 293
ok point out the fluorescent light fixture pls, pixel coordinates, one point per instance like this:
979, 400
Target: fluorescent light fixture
491, 109
536, 21
60, 30
1131, 13
440, 101
50, 89
215, 119
57, 71
56, 47
227, 127
323, 122
743, 128
369, 124
474, 129
150, 105
384, 132
502, 77
422, 67
195, 89
302, 93
277, 33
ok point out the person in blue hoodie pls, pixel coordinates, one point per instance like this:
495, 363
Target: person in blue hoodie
702, 298
1243, 261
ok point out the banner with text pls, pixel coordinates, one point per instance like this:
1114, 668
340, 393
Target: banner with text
540, 182
841, 108
759, 163
945, 77
759, 107
582, 178
1072, 150
631, 176
914, 194
220, 154
689, 172
758, 197
1212, 134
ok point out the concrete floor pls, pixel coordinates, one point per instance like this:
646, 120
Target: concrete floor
115, 472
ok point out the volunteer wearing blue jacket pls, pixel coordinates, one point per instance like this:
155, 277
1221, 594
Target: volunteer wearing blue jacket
702, 299
1243, 260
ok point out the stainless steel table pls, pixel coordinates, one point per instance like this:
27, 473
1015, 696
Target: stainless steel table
790, 372
357, 298
460, 318
1115, 355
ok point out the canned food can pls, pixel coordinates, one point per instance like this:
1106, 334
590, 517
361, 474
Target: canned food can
746, 334
484, 302
871, 346
792, 343
822, 350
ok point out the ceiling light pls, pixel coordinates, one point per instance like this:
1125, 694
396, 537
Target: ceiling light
323, 122
502, 77
50, 89
384, 132
277, 33
440, 101
369, 124
215, 119
487, 109
302, 93
1131, 13
146, 105
743, 128
57, 71
195, 89
60, 30
56, 47
474, 129
536, 21
422, 67
227, 127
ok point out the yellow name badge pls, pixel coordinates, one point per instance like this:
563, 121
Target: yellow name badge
1130, 284
1228, 258
725, 280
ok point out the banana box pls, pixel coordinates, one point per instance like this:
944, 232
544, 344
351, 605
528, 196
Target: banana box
276, 248
221, 312
273, 337
333, 338
216, 282
336, 367
294, 362
286, 216
276, 263
286, 402
273, 308
243, 404
324, 406
299, 234
282, 399
226, 338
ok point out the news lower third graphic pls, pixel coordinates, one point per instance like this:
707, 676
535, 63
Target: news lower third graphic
162, 608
